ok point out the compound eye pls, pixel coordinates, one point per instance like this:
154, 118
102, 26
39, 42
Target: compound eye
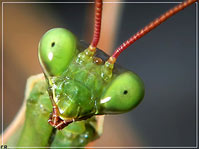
57, 48
124, 93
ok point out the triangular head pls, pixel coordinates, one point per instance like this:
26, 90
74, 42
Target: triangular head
82, 84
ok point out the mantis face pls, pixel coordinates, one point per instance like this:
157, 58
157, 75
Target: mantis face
58, 54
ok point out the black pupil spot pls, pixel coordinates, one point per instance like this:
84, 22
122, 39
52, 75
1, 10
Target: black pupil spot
125, 92
53, 44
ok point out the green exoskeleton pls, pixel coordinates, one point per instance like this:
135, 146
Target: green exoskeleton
36, 132
80, 83
81, 87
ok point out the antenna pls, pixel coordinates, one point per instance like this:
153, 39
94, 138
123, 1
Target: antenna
148, 28
97, 26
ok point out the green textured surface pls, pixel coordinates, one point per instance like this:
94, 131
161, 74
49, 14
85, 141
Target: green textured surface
79, 89
82, 88
77, 134
74, 99
36, 130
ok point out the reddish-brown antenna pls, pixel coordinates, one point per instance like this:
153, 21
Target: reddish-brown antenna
149, 27
97, 27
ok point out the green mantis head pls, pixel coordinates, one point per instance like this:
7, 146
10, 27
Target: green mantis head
56, 50
75, 75
123, 94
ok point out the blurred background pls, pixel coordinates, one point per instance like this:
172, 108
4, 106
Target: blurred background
165, 59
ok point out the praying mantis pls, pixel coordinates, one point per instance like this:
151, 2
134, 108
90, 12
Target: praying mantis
62, 120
